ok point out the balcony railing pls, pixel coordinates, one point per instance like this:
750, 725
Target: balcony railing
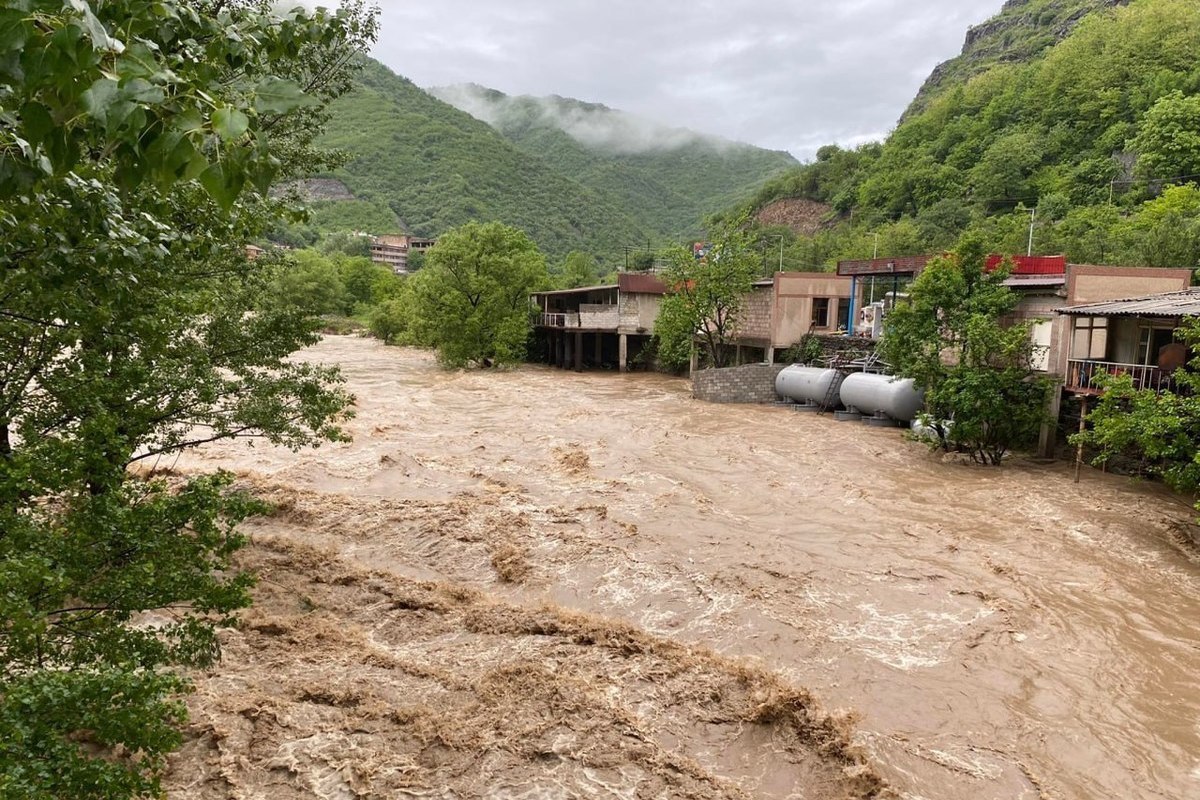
564, 320
1081, 375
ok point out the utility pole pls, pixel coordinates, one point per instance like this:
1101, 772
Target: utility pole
1032, 220
780, 238
876, 246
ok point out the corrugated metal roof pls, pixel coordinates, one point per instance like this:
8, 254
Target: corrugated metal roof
580, 290
1165, 304
1030, 265
909, 265
640, 283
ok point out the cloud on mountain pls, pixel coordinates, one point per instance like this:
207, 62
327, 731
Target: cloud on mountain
782, 75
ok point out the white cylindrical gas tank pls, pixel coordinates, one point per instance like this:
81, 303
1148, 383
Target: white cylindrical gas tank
882, 394
809, 385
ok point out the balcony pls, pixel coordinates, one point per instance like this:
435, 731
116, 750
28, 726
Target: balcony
1081, 375
589, 317
559, 320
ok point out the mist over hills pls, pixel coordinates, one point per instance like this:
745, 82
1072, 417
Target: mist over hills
669, 178
574, 175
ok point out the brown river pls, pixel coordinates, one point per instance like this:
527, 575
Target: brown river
535, 583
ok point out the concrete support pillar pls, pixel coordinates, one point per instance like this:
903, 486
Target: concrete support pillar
623, 352
578, 351
769, 356
1048, 440
599, 349
694, 361
568, 353
558, 349
737, 356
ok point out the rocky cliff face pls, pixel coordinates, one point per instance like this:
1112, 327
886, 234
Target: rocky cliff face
1022, 31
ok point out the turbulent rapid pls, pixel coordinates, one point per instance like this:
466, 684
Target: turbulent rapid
534, 583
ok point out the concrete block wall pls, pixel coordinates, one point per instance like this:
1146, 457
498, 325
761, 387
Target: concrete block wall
752, 383
755, 321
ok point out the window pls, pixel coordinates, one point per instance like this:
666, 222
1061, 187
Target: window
843, 315
1089, 339
820, 312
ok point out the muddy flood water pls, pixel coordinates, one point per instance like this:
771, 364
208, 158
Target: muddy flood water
536, 584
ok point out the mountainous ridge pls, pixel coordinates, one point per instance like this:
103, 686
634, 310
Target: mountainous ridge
670, 177
1020, 32
1075, 115
418, 163
432, 167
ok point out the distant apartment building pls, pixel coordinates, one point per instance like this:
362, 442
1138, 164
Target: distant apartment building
393, 249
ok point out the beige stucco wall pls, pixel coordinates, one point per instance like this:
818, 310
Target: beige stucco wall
792, 312
1093, 284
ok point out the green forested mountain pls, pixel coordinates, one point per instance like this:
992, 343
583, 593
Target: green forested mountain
425, 166
1022, 31
668, 178
1083, 112
419, 164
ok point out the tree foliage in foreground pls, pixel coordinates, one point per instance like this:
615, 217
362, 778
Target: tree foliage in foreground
471, 300
707, 298
137, 144
981, 392
1161, 428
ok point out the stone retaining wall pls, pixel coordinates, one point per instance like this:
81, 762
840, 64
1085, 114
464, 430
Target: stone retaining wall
752, 383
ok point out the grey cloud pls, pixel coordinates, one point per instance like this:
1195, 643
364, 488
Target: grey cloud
783, 75
613, 130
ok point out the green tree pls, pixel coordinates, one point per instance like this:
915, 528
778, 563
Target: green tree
310, 282
392, 319
707, 297
1166, 230
137, 146
980, 389
471, 301
578, 269
1168, 140
349, 244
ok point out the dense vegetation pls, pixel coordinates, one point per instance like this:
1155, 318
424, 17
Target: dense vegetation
982, 395
471, 300
668, 179
138, 145
1022, 31
1083, 139
709, 295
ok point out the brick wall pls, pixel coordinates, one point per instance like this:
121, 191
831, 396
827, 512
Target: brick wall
755, 321
753, 383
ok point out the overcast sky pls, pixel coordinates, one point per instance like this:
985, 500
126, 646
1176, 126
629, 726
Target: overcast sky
783, 74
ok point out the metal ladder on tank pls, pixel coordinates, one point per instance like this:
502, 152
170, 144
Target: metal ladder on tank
870, 363
835, 363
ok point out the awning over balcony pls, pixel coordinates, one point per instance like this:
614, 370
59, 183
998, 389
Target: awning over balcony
1168, 304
